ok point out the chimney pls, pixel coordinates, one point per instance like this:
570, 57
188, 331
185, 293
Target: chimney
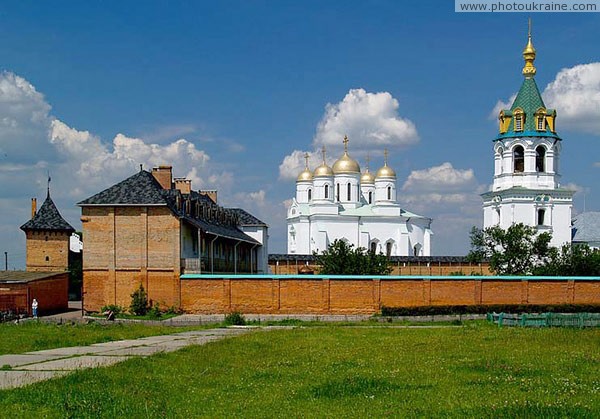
183, 185
33, 207
212, 194
164, 176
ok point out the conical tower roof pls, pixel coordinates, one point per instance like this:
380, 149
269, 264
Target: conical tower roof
48, 218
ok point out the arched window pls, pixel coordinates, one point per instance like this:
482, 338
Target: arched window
370, 197
519, 159
349, 192
337, 192
541, 213
498, 216
540, 158
389, 192
309, 194
326, 191
373, 247
388, 249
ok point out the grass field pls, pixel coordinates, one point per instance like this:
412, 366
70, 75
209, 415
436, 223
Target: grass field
475, 371
35, 336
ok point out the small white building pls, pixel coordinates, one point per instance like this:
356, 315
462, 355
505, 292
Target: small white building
526, 187
340, 202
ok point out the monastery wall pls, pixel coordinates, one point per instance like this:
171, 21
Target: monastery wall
212, 294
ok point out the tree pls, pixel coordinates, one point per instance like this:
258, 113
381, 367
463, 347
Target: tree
572, 260
139, 302
518, 250
341, 258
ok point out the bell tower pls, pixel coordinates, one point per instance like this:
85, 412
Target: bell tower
526, 186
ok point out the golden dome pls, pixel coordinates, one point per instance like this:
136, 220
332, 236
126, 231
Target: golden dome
346, 164
367, 177
386, 171
323, 170
306, 174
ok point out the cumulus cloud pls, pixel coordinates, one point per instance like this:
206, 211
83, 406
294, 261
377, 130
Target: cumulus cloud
440, 178
575, 93
370, 120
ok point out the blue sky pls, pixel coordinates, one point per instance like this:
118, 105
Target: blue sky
225, 91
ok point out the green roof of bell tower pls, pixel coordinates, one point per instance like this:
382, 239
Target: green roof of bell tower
529, 101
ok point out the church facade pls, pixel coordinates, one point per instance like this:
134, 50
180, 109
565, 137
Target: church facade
526, 187
341, 202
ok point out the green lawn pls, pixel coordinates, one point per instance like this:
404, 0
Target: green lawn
35, 336
475, 371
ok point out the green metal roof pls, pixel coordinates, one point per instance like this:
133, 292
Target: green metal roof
529, 100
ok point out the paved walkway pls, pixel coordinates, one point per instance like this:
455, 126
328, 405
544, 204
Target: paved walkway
23, 369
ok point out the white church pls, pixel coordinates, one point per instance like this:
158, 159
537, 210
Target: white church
340, 202
526, 187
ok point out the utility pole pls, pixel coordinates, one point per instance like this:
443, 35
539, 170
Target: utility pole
6, 261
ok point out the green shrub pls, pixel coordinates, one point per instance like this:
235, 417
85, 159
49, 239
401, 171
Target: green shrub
235, 319
154, 312
139, 302
112, 307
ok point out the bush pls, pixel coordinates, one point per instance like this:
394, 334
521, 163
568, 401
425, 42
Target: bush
139, 302
112, 307
154, 312
235, 319
483, 309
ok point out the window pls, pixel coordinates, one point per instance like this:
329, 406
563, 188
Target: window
389, 192
541, 213
519, 122
388, 249
337, 192
373, 247
309, 194
47, 258
541, 123
540, 157
519, 159
498, 216
370, 197
326, 191
349, 192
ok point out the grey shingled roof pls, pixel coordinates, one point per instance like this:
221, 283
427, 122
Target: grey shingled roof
247, 219
586, 227
47, 218
143, 189
139, 189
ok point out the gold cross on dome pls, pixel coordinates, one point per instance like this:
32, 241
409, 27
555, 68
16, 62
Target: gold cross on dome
323, 153
368, 160
385, 156
345, 143
306, 156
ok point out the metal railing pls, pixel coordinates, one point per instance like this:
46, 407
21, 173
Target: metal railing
579, 320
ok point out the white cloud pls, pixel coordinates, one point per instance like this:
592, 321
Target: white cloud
371, 122
440, 178
597, 164
575, 94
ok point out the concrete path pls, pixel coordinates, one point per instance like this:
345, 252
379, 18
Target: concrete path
23, 369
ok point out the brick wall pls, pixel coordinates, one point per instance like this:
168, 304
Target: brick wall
52, 294
320, 295
47, 251
126, 247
